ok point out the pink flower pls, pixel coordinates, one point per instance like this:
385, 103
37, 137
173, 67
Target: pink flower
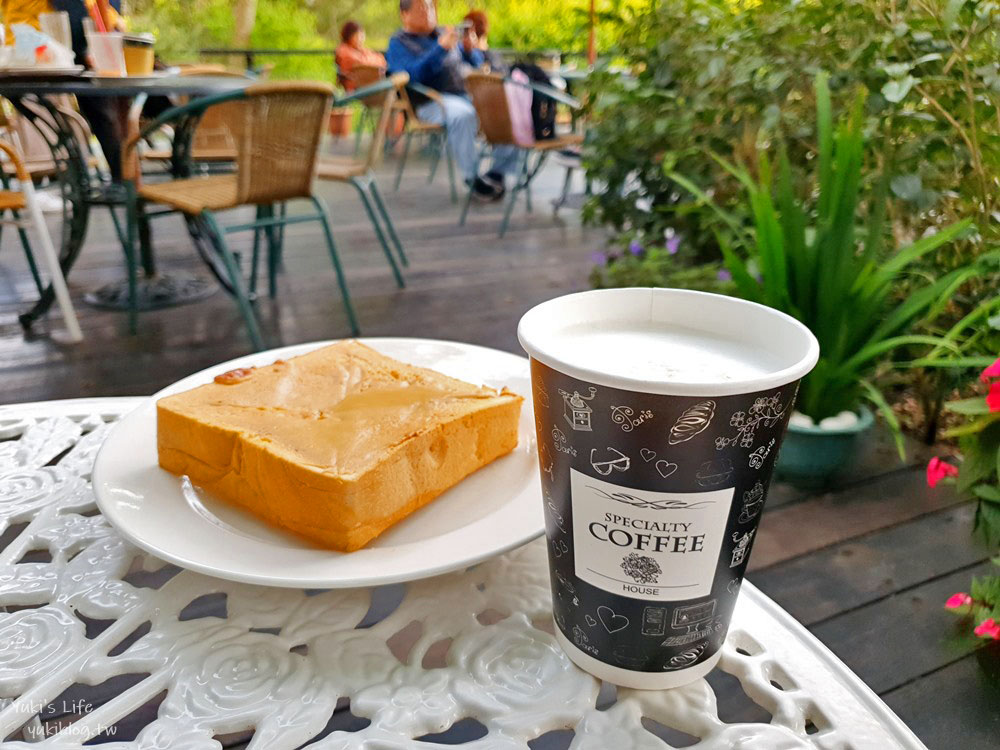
938, 470
993, 397
957, 601
988, 629
993, 371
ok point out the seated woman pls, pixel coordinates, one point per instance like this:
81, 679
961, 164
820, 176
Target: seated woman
352, 52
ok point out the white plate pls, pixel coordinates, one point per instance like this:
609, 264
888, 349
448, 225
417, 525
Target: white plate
494, 510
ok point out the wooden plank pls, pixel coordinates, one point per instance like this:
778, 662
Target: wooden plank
955, 707
899, 638
847, 575
833, 517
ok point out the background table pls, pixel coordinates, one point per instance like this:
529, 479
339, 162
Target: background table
179, 658
82, 189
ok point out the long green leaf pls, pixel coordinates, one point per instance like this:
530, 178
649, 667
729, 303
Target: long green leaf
793, 224
876, 397
923, 246
918, 301
957, 362
824, 135
749, 287
872, 351
970, 407
703, 197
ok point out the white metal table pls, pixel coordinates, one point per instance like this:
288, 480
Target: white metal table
468, 654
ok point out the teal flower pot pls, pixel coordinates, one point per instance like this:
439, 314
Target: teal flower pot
812, 457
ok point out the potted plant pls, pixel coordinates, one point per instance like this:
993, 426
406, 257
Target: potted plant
979, 476
813, 261
340, 122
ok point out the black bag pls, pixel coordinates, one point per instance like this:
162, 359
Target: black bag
543, 108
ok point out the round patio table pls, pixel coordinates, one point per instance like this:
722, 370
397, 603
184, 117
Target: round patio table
101, 639
81, 189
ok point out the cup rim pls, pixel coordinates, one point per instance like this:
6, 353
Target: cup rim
527, 330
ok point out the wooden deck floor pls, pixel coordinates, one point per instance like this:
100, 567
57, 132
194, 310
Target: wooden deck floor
866, 565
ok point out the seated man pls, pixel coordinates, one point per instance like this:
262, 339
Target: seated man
433, 57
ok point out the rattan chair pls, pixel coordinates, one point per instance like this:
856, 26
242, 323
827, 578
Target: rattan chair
490, 100
360, 173
363, 76
23, 199
277, 137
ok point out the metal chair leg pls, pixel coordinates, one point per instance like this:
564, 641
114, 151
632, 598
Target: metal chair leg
519, 184
402, 159
132, 208
335, 259
389, 226
236, 279
564, 195
359, 186
451, 168
435, 157
255, 257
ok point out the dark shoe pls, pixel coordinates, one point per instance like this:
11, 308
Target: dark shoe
482, 191
495, 181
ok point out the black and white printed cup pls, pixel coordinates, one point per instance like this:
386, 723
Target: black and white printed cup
659, 415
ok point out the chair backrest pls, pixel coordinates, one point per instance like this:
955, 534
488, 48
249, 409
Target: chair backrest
365, 75
277, 139
214, 131
490, 100
387, 111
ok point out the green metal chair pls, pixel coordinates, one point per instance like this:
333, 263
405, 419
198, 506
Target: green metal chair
276, 130
490, 100
360, 173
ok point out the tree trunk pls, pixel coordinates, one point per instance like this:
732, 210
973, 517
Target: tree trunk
244, 14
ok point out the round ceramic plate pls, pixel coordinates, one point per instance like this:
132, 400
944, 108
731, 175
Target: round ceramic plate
495, 509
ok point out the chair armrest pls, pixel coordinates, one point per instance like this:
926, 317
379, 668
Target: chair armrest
553, 93
373, 88
193, 107
15, 159
427, 91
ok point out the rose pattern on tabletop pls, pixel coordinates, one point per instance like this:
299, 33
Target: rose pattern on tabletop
508, 670
641, 568
23, 491
766, 411
300, 702
693, 421
35, 641
411, 700
242, 673
626, 417
358, 660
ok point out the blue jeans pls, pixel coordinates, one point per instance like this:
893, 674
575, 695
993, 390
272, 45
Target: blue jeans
459, 117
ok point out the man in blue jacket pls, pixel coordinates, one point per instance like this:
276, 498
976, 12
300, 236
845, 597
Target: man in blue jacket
434, 57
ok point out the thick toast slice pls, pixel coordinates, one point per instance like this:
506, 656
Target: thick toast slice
335, 445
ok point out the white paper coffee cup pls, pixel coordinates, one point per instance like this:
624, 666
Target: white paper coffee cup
659, 415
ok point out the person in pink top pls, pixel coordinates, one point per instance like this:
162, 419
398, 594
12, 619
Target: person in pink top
352, 52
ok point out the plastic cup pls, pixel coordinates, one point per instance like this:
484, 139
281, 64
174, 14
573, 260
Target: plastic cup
106, 52
56, 26
139, 54
659, 415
